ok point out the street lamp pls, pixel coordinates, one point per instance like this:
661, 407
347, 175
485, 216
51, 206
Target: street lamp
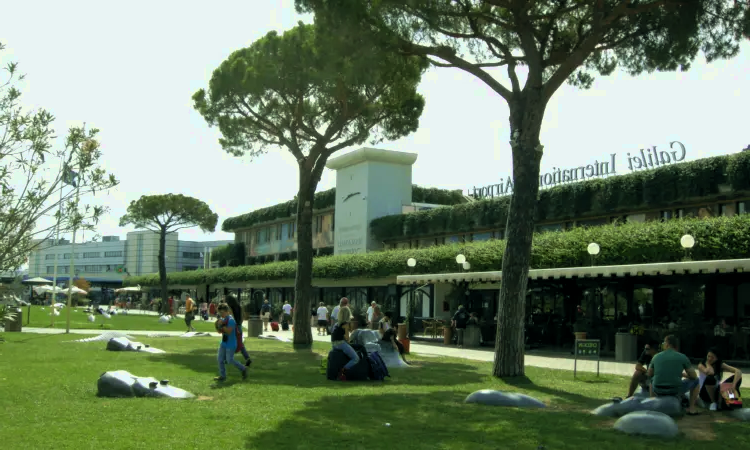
687, 242
466, 265
460, 259
411, 262
403, 332
593, 250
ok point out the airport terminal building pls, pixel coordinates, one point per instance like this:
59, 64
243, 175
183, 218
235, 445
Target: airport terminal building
364, 213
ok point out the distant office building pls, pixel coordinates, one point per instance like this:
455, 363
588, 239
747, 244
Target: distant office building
110, 260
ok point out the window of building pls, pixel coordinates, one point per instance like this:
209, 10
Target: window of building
477, 237
191, 255
262, 236
727, 209
187, 268
50, 269
318, 224
544, 228
48, 257
454, 239
742, 207
117, 254
291, 230
666, 215
92, 254
277, 232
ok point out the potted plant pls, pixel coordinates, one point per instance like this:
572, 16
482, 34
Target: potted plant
580, 328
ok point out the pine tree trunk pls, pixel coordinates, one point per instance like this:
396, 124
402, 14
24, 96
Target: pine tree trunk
526, 113
303, 338
163, 270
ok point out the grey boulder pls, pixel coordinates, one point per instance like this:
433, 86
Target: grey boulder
671, 406
741, 414
617, 409
120, 383
647, 423
499, 398
122, 344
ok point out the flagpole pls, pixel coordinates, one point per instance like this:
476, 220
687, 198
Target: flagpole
77, 178
57, 239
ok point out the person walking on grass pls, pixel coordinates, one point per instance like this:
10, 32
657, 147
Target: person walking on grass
189, 313
234, 305
226, 325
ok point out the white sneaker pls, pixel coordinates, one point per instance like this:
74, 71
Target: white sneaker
712, 407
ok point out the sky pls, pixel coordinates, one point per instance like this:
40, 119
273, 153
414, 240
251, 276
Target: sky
130, 70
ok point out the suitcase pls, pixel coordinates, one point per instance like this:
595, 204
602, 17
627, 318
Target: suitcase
284, 326
274, 326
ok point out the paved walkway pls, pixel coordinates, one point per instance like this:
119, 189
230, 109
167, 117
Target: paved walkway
436, 350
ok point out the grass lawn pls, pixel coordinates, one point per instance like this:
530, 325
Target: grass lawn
40, 318
48, 401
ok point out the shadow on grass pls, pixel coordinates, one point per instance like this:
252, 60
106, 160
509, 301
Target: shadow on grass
303, 369
429, 421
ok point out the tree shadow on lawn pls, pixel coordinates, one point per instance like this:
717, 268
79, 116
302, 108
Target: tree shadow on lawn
304, 369
577, 400
435, 420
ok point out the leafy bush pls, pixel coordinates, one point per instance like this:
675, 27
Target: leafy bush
649, 189
630, 243
327, 200
229, 255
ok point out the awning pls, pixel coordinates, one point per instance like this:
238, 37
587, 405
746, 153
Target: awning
670, 268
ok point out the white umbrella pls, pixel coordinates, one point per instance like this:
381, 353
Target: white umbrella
128, 289
57, 290
37, 280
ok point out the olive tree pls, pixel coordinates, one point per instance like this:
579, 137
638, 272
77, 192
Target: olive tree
39, 181
311, 92
547, 42
164, 214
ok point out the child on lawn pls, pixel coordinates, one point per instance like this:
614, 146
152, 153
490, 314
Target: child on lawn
227, 327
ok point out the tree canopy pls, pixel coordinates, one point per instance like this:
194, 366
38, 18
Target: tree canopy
556, 40
296, 91
32, 184
169, 213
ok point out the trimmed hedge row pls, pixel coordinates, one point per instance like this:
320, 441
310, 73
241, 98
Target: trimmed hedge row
662, 187
631, 243
327, 199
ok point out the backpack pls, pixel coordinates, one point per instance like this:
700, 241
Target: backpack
730, 398
378, 369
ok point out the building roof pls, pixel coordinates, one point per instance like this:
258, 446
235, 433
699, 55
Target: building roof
654, 269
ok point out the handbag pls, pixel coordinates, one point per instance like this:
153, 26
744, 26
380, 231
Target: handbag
730, 396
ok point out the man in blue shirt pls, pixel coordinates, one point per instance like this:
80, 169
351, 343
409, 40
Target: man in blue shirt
226, 326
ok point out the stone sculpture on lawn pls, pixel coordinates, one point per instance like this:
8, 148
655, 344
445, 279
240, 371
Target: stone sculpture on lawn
123, 384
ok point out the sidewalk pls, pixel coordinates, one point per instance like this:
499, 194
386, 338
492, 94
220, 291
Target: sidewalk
548, 362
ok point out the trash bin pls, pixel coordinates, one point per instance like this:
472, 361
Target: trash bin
626, 347
254, 326
401, 331
447, 335
14, 324
472, 336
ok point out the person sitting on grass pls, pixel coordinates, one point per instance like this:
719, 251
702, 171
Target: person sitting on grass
339, 341
388, 333
227, 326
714, 367
640, 377
666, 372
234, 305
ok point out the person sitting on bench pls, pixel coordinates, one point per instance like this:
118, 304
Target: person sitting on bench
666, 373
640, 377
388, 334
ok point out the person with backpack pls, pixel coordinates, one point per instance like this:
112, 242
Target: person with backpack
339, 342
459, 322
265, 314
226, 326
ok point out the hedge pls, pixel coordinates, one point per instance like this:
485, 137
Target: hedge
630, 243
662, 187
327, 199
